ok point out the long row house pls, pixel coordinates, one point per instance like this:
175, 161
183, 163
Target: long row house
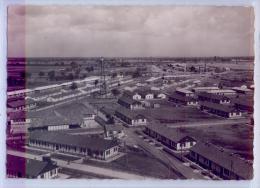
83, 145
220, 162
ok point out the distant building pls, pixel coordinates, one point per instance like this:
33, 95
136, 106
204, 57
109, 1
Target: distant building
63, 96
204, 89
170, 137
105, 113
225, 111
133, 95
225, 165
94, 147
183, 99
19, 167
18, 122
111, 130
242, 90
21, 105
214, 98
244, 104
146, 94
130, 103
131, 118
184, 92
227, 92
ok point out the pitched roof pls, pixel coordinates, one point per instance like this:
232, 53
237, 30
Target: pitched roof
213, 96
128, 100
28, 167
182, 98
21, 102
181, 90
108, 126
168, 132
94, 143
220, 107
132, 114
227, 160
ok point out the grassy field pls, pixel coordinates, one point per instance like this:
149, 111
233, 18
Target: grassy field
139, 163
176, 114
237, 138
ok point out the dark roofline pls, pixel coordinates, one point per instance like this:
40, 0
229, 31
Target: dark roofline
224, 159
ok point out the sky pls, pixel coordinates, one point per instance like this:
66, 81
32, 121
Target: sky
129, 31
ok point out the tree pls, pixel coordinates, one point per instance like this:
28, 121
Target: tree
51, 75
73, 86
96, 82
136, 74
193, 69
73, 65
115, 92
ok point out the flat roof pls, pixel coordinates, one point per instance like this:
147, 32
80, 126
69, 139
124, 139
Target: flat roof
182, 90
94, 143
227, 160
222, 91
213, 96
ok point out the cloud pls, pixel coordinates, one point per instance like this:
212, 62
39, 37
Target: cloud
130, 30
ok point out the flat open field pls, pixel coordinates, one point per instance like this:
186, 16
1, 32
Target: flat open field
176, 114
237, 138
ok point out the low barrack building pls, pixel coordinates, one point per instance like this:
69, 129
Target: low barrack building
226, 92
204, 89
94, 147
244, 104
223, 164
214, 98
242, 90
183, 99
184, 92
21, 105
19, 167
131, 118
171, 138
130, 103
18, 122
225, 111
111, 130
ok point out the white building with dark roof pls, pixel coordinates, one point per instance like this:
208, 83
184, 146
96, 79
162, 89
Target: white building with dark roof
214, 98
183, 99
172, 138
130, 103
130, 117
225, 111
19, 167
84, 145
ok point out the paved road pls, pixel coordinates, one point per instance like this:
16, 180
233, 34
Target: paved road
209, 123
181, 171
85, 168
